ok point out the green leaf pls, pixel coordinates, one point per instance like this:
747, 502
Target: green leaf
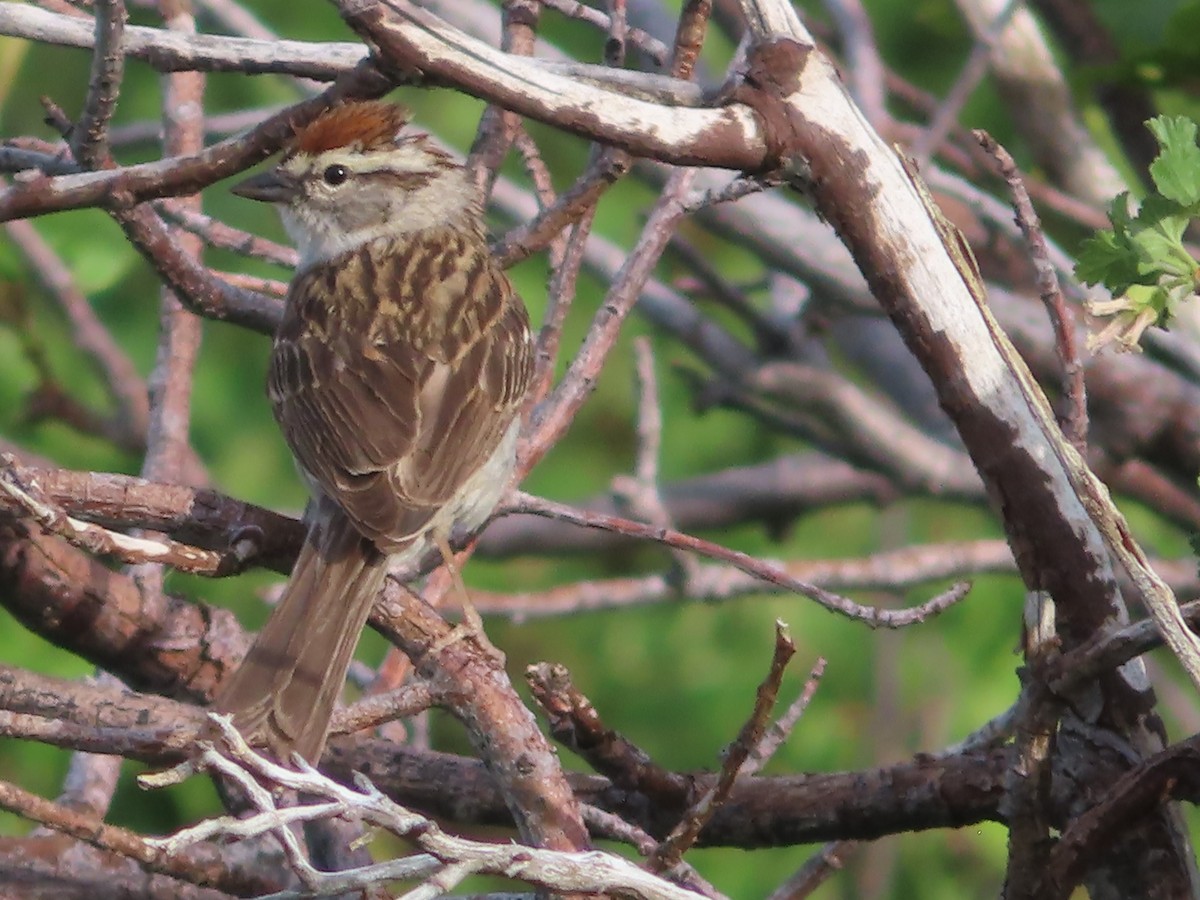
1156, 235
1176, 169
1104, 259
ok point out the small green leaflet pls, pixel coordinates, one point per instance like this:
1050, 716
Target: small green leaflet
1176, 169
1143, 260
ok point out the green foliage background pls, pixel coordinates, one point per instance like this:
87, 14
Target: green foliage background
677, 678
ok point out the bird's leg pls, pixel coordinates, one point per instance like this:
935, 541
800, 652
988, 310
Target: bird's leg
471, 625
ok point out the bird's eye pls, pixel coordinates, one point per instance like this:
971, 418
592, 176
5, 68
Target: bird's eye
335, 175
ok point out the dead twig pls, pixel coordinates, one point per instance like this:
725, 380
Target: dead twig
671, 849
873, 616
443, 860
1074, 388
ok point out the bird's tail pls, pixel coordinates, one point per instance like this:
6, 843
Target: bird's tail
282, 696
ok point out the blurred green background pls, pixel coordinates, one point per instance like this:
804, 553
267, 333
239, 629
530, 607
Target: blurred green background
678, 678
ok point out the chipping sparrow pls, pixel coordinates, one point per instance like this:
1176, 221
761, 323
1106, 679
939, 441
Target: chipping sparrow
397, 377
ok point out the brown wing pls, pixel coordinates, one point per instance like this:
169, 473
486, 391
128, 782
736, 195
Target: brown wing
395, 375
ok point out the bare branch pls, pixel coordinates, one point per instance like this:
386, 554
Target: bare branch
736, 755
445, 860
89, 143
95, 539
168, 51
552, 419
872, 616
197, 865
412, 39
658, 52
1061, 316
124, 187
121, 378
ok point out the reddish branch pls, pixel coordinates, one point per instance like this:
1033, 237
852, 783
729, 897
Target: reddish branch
471, 683
206, 865
124, 187
1056, 306
761, 811
765, 571
684, 835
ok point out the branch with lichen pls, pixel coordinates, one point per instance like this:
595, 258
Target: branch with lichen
443, 860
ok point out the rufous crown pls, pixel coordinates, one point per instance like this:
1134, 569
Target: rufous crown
361, 125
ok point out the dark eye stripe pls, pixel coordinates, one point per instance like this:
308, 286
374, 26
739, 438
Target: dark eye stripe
337, 174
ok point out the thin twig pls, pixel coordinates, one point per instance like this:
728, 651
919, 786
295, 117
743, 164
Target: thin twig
218, 234
168, 442
1061, 316
378, 709
607, 825
89, 141
819, 867
733, 190
498, 127
560, 293
618, 30
684, 835
689, 37
606, 168
872, 616
552, 420
972, 72
120, 376
200, 866
780, 730
641, 493
891, 571
658, 52
866, 75
771, 336
649, 418
536, 168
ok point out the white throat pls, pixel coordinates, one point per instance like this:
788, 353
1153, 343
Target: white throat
319, 241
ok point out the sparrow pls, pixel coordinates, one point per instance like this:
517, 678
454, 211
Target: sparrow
397, 376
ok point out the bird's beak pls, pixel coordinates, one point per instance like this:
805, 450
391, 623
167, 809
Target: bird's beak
273, 186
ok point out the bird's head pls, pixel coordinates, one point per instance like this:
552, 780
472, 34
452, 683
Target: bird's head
356, 174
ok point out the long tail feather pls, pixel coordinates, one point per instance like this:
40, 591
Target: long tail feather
282, 696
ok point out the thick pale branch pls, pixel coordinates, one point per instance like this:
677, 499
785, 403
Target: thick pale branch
412, 40
1066, 534
173, 51
170, 51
